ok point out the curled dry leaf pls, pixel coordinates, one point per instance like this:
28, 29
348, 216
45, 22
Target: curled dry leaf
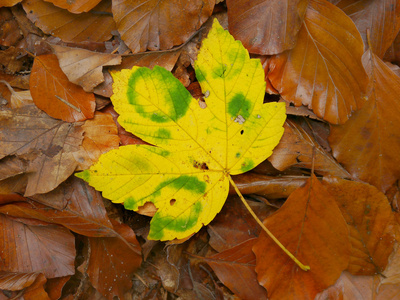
266, 26
235, 268
371, 224
47, 144
311, 226
76, 6
297, 147
159, 25
381, 18
101, 136
113, 260
94, 26
368, 144
84, 67
324, 70
56, 95
27, 247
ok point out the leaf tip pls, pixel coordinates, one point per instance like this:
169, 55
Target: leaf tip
85, 175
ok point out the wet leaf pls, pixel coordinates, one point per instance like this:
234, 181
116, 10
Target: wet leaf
367, 145
56, 95
159, 25
371, 224
90, 26
235, 268
187, 175
84, 67
381, 18
27, 247
311, 226
265, 26
324, 70
297, 147
47, 144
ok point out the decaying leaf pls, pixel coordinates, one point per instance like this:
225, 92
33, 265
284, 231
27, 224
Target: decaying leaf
187, 176
159, 25
266, 26
56, 95
324, 70
84, 67
47, 144
369, 143
304, 225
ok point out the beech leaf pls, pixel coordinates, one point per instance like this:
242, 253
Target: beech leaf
187, 176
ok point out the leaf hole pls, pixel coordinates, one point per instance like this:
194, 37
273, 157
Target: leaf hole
241, 132
172, 202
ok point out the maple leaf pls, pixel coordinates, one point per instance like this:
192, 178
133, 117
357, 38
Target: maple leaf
187, 176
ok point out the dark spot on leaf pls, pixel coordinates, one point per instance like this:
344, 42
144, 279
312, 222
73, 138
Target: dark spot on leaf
172, 202
241, 131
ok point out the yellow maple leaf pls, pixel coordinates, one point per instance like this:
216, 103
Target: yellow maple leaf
187, 175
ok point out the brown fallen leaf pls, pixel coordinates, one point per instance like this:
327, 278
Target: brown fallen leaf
393, 52
265, 26
36, 290
56, 95
13, 60
46, 144
27, 246
84, 67
113, 260
381, 18
95, 26
76, 6
10, 33
73, 204
101, 135
297, 147
9, 3
368, 144
311, 226
235, 268
159, 25
324, 70
371, 224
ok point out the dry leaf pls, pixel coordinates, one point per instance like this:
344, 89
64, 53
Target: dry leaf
95, 26
159, 25
56, 95
84, 67
311, 226
47, 144
369, 143
12, 281
266, 26
324, 70
75, 6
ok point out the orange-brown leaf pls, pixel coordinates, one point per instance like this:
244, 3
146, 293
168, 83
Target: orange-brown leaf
381, 18
297, 147
159, 25
324, 70
266, 26
235, 268
75, 6
311, 226
101, 135
371, 224
84, 67
56, 95
13, 281
94, 26
368, 144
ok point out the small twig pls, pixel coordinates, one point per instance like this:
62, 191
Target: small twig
69, 104
303, 267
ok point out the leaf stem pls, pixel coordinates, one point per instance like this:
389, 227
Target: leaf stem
303, 267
